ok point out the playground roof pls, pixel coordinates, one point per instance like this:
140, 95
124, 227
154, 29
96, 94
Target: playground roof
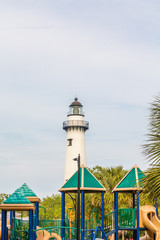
131, 182
88, 182
32, 197
27, 191
17, 201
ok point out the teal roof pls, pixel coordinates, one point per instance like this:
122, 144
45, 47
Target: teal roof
88, 182
131, 181
141, 175
27, 191
72, 182
17, 198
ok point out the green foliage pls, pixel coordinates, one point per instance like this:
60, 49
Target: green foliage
151, 183
3, 197
152, 151
53, 207
110, 177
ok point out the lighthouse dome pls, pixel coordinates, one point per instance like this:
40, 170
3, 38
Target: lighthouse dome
76, 103
76, 108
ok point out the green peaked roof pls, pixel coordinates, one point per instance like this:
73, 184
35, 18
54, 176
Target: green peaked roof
27, 191
131, 181
72, 182
17, 198
88, 182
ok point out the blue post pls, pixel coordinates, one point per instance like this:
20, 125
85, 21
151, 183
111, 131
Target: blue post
30, 224
34, 227
92, 234
116, 214
156, 206
102, 197
4, 225
6, 233
37, 213
82, 215
63, 214
11, 218
157, 209
14, 214
137, 215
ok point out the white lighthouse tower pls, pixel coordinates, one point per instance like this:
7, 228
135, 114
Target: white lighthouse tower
75, 127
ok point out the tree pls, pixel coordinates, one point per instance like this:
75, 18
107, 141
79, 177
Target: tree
3, 197
151, 150
109, 177
53, 207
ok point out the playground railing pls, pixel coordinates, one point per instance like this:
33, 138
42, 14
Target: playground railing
109, 221
126, 217
49, 223
89, 224
55, 225
20, 229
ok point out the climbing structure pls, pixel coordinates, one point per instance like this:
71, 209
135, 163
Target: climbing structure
16, 202
23, 199
88, 184
126, 218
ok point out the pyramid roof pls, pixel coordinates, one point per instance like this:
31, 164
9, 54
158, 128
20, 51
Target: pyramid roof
32, 197
17, 201
132, 181
17, 198
88, 182
27, 191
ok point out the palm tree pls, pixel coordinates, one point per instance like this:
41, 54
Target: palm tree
152, 151
109, 177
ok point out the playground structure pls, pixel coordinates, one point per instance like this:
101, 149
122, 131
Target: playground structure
98, 225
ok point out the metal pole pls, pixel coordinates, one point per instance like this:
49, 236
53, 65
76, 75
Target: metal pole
78, 203
82, 215
63, 214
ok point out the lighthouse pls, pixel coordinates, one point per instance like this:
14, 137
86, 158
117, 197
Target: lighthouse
75, 127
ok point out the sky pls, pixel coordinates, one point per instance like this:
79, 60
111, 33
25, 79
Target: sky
107, 53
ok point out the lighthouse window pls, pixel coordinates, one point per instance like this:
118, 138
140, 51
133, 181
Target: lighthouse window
70, 141
76, 110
